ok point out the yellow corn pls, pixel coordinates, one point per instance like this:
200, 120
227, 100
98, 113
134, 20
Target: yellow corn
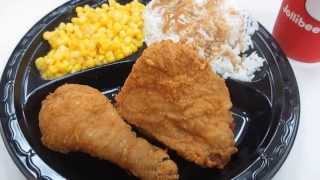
94, 37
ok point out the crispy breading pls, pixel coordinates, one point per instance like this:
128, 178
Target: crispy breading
80, 118
175, 97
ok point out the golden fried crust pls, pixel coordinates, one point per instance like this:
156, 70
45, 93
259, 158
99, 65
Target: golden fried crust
175, 97
80, 118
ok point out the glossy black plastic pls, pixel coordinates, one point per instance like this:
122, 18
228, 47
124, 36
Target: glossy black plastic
266, 112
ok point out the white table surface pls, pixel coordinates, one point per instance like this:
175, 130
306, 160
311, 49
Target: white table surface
17, 17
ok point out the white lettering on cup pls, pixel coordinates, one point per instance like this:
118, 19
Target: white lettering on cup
308, 27
299, 21
316, 30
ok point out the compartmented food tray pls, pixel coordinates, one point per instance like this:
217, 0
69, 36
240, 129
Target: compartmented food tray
266, 111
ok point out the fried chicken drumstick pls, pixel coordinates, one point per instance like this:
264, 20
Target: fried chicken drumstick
80, 118
175, 97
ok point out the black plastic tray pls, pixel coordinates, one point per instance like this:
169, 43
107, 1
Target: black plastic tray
266, 112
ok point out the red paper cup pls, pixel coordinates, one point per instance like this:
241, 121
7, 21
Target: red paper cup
297, 29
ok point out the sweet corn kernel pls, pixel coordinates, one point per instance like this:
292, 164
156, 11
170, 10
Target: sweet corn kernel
96, 36
119, 55
109, 56
126, 50
117, 27
122, 33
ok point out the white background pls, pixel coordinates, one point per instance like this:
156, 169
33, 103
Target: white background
17, 17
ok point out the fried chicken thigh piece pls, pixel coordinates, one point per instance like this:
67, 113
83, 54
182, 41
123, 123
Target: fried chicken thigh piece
80, 118
175, 97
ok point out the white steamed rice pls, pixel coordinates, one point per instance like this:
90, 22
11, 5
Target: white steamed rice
249, 64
